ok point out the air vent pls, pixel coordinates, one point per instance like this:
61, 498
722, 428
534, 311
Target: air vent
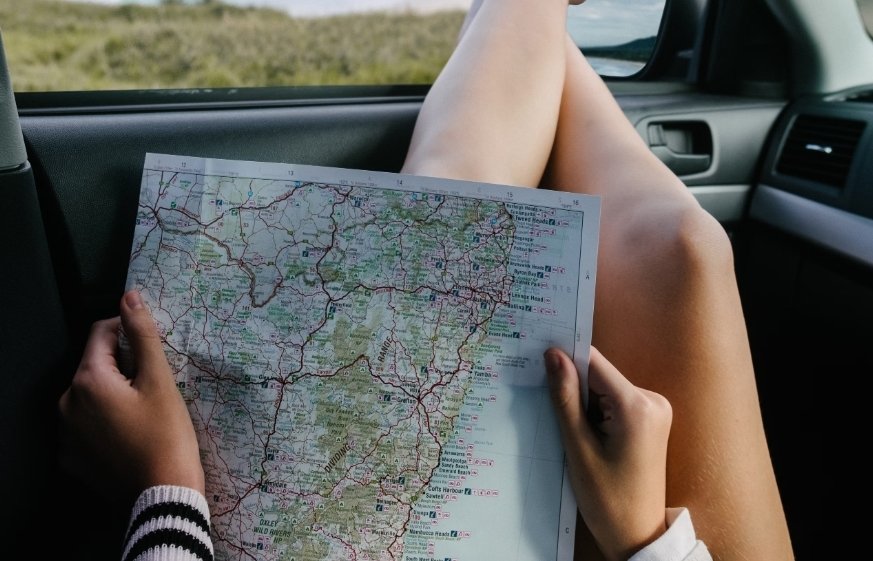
820, 149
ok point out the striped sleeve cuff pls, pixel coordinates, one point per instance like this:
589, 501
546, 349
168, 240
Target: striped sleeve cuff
169, 523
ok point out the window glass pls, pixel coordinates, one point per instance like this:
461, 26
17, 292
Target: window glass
617, 36
866, 7
74, 45
55, 45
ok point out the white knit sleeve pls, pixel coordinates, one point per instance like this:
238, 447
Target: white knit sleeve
169, 523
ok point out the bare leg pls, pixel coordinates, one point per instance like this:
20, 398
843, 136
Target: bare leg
509, 62
668, 315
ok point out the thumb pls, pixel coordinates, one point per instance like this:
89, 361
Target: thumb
564, 386
145, 343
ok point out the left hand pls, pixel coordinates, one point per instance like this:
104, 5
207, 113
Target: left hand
137, 432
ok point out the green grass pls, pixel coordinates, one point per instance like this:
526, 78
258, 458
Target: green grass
54, 46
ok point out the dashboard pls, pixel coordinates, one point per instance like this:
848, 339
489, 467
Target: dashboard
817, 176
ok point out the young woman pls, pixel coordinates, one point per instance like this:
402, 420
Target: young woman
518, 104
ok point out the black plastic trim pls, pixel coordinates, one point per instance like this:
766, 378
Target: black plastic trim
679, 36
123, 101
837, 230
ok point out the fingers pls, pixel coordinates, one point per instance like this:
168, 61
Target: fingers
567, 400
100, 349
612, 396
145, 343
660, 408
98, 370
627, 409
604, 379
98, 362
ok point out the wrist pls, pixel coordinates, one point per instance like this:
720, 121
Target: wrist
629, 541
191, 477
676, 544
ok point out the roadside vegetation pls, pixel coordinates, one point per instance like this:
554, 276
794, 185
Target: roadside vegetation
55, 45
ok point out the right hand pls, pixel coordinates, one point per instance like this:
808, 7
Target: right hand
137, 432
617, 465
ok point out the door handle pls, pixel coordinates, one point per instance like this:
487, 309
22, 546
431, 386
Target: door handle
683, 164
684, 146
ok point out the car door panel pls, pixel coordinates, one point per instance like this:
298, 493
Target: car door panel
90, 166
719, 144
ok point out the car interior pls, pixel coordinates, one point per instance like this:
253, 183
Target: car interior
764, 108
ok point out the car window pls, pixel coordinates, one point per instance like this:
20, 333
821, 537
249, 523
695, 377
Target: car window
56, 45
866, 7
79, 45
617, 36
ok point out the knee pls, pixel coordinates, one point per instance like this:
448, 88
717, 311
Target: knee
701, 243
679, 243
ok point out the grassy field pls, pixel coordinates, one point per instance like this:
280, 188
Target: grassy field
53, 45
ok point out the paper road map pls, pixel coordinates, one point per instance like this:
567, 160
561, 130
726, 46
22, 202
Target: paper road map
362, 355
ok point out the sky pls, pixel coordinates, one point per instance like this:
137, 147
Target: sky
597, 22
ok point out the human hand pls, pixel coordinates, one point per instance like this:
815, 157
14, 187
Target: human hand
617, 465
135, 431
